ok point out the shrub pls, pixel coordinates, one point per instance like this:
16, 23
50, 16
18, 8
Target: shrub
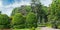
32, 28
18, 21
48, 24
58, 26
4, 21
1, 26
31, 20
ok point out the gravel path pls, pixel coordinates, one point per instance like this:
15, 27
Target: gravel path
46, 28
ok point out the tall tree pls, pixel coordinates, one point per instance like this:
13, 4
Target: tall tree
37, 9
54, 16
45, 13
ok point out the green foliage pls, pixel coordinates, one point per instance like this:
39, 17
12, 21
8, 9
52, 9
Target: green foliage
58, 26
18, 20
21, 26
45, 10
14, 11
32, 28
27, 8
2, 26
23, 10
40, 10
4, 21
31, 20
54, 15
49, 24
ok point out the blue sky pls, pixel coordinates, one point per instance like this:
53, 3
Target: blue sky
6, 6
7, 2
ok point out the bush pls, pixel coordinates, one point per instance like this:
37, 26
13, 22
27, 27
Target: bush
48, 24
1, 26
31, 20
58, 26
4, 21
32, 28
18, 21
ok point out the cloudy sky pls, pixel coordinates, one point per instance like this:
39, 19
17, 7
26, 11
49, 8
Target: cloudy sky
6, 6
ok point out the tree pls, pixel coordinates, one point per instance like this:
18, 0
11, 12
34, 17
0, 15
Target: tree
18, 21
45, 13
31, 20
23, 10
39, 10
54, 12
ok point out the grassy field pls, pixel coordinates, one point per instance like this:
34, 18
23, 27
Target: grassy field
27, 29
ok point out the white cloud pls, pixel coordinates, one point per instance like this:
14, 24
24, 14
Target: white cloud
8, 9
0, 2
17, 4
46, 2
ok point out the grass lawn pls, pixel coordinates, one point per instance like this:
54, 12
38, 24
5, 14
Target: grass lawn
26, 29
21, 29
